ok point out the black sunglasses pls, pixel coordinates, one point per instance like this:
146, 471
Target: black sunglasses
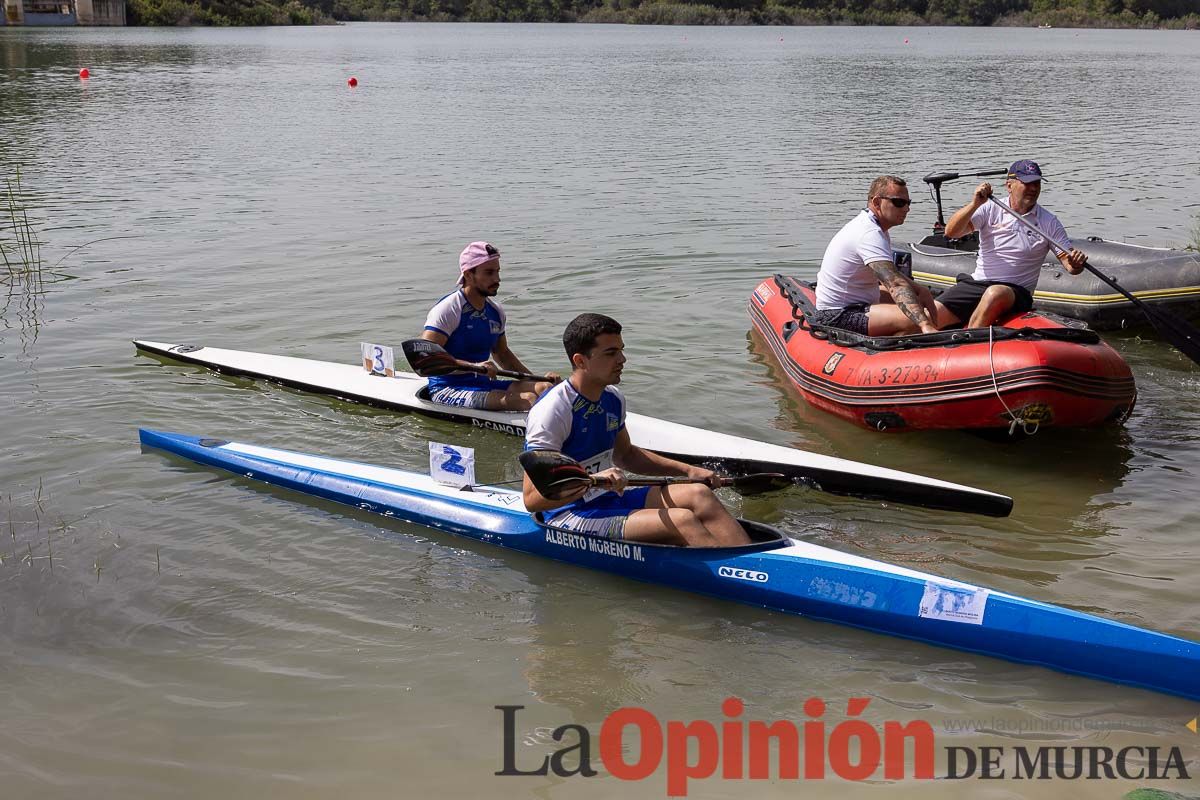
898, 202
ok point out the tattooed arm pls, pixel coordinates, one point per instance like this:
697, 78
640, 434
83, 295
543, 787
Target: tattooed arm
906, 295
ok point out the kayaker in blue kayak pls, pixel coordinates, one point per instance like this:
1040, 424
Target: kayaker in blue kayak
584, 418
859, 287
470, 325
1010, 257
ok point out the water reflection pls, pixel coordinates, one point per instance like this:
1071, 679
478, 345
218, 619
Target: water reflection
21, 254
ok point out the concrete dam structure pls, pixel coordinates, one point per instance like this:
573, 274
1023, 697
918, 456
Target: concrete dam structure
63, 12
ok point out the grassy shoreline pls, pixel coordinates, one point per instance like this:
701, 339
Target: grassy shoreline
1126, 14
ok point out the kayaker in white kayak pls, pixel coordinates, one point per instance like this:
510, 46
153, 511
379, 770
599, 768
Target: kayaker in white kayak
470, 324
584, 418
1010, 257
859, 288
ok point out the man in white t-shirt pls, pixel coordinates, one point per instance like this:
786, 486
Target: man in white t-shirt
1010, 256
859, 288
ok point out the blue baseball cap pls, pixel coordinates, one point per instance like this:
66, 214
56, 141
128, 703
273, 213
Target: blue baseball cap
1025, 171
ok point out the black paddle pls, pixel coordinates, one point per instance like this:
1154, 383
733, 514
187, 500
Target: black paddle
1176, 330
429, 359
556, 476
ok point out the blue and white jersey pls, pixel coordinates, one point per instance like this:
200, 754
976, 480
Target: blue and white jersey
564, 420
471, 333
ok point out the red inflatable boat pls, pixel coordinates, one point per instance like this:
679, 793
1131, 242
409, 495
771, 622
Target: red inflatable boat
1032, 370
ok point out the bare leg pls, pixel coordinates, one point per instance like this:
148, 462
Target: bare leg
995, 301
667, 526
945, 317
708, 510
887, 319
519, 396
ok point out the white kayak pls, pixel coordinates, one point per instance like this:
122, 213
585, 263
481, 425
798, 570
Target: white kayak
406, 392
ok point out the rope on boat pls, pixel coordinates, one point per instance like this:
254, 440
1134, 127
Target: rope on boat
1016, 419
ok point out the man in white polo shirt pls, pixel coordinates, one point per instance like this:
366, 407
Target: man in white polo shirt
1010, 256
859, 288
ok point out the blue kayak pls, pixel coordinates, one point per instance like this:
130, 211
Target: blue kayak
774, 571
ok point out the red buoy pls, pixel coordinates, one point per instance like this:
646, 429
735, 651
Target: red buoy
84, 74
352, 82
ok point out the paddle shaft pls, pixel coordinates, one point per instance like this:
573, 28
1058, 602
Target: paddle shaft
423, 354
1179, 332
1060, 250
772, 477
674, 479
506, 373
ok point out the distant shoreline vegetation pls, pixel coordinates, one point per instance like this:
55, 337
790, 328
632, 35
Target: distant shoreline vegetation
1174, 14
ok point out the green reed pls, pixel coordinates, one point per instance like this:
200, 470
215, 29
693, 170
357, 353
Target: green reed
20, 248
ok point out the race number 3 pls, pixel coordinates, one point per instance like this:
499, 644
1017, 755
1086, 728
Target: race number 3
377, 359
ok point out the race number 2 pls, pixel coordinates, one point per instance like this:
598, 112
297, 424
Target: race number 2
452, 465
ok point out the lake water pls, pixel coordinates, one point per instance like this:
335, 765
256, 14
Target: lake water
198, 636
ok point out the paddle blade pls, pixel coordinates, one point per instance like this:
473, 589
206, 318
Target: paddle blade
1176, 330
429, 359
553, 474
760, 482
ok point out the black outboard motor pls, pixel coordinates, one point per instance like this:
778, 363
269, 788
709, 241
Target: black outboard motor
938, 238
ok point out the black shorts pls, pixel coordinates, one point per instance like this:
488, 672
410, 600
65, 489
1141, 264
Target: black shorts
963, 297
851, 318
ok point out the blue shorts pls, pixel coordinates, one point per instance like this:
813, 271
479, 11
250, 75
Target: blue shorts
605, 516
470, 392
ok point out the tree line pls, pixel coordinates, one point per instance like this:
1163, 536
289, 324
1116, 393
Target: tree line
1071, 13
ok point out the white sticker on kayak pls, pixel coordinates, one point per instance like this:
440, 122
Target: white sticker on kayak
452, 466
954, 603
378, 359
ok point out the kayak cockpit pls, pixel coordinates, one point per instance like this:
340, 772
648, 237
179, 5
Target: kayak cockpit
762, 537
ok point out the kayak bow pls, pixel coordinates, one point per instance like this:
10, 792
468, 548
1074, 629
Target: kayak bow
735, 454
773, 571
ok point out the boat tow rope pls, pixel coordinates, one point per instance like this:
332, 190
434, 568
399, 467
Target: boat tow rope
1012, 415
802, 307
